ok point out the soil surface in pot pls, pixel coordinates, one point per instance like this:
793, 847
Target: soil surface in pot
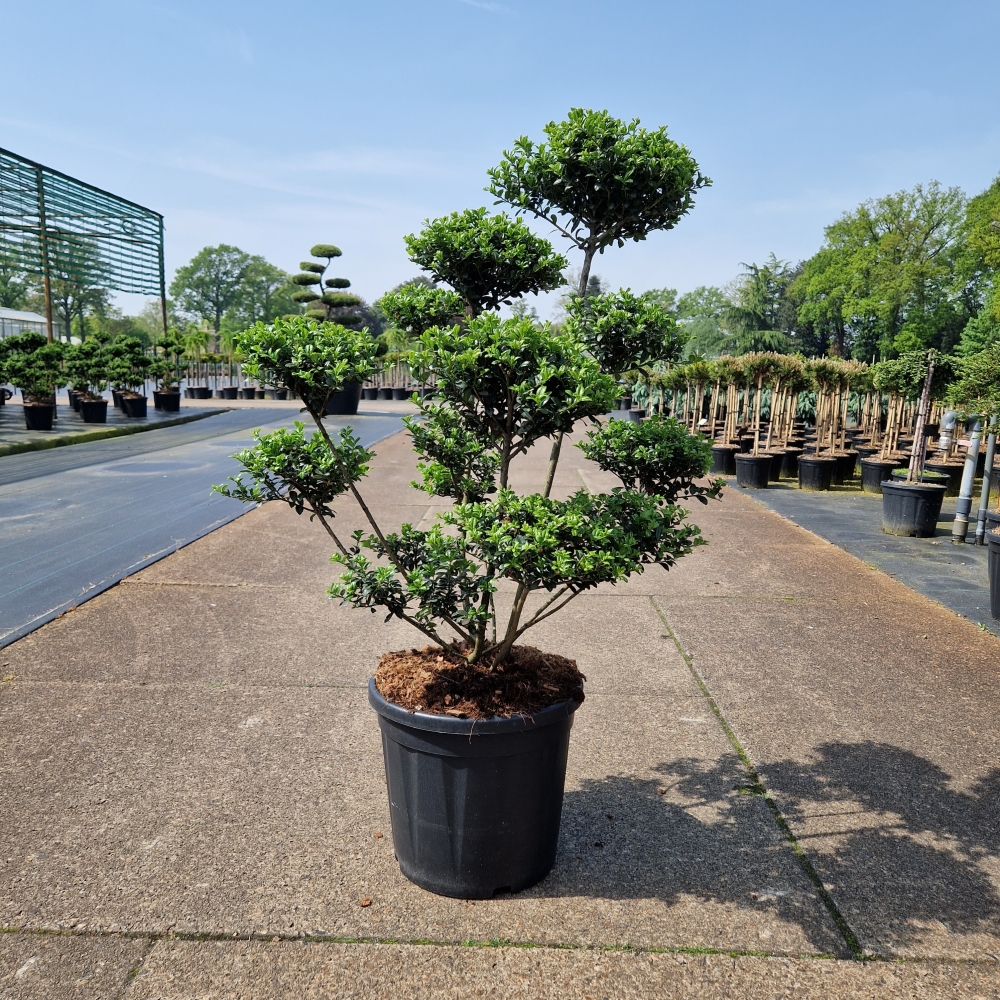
428, 680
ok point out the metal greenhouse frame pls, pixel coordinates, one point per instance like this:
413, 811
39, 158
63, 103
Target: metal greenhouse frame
58, 227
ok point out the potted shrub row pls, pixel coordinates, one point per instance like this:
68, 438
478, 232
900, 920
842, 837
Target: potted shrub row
477, 701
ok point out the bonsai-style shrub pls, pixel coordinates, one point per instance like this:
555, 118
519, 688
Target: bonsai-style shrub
502, 385
127, 364
325, 297
87, 367
34, 366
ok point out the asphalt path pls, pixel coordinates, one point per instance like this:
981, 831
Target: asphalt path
76, 520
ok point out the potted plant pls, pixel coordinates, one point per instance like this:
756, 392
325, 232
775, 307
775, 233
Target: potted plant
128, 368
35, 367
912, 507
495, 710
753, 468
166, 371
329, 303
86, 366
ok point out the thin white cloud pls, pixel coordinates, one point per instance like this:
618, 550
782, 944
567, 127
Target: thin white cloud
493, 8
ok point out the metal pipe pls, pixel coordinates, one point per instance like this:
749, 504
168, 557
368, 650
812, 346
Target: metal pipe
963, 505
984, 496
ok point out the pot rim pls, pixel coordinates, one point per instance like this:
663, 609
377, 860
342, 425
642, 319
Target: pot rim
429, 722
912, 486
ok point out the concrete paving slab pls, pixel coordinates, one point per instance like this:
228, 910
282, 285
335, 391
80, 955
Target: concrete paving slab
239, 810
61, 967
873, 724
953, 575
177, 970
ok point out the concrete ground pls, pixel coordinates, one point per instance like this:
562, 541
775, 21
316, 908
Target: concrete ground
786, 763
953, 575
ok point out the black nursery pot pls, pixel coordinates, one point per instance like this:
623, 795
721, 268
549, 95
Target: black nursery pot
911, 509
133, 406
724, 459
369, 392
167, 400
790, 466
993, 562
952, 472
874, 472
752, 471
475, 805
39, 416
815, 472
346, 401
93, 411
385, 392
847, 465
777, 464
229, 391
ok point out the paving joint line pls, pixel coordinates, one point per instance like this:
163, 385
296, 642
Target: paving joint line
260, 937
760, 789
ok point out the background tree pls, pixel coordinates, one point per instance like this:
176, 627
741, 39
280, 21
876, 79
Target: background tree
211, 283
264, 294
599, 181
885, 279
757, 309
701, 316
14, 286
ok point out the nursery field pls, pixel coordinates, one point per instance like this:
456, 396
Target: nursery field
194, 798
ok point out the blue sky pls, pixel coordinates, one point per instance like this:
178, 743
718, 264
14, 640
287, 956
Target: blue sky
276, 126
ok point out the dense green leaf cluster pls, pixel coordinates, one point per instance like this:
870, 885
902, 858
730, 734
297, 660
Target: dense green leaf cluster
657, 456
487, 259
32, 365
306, 473
312, 359
625, 331
456, 463
415, 308
512, 382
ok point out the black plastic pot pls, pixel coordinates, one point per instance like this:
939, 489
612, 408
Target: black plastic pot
849, 461
202, 392
116, 398
229, 392
993, 562
369, 393
74, 399
790, 466
133, 406
93, 411
385, 392
637, 414
724, 459
911, 509
399, 393
952, 471
746, 443
346, 401
39, 416
777, 464
248, 392
167, 400
927, 476
815, 472
625, 403
282, 394
188, 393
270, 393
475, 806
874, 472
752, 471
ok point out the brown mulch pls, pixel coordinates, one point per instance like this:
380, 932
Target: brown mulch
443, 683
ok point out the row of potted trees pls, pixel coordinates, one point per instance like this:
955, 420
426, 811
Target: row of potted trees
38, 369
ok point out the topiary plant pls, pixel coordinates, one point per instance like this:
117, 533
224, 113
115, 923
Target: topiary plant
332, 306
